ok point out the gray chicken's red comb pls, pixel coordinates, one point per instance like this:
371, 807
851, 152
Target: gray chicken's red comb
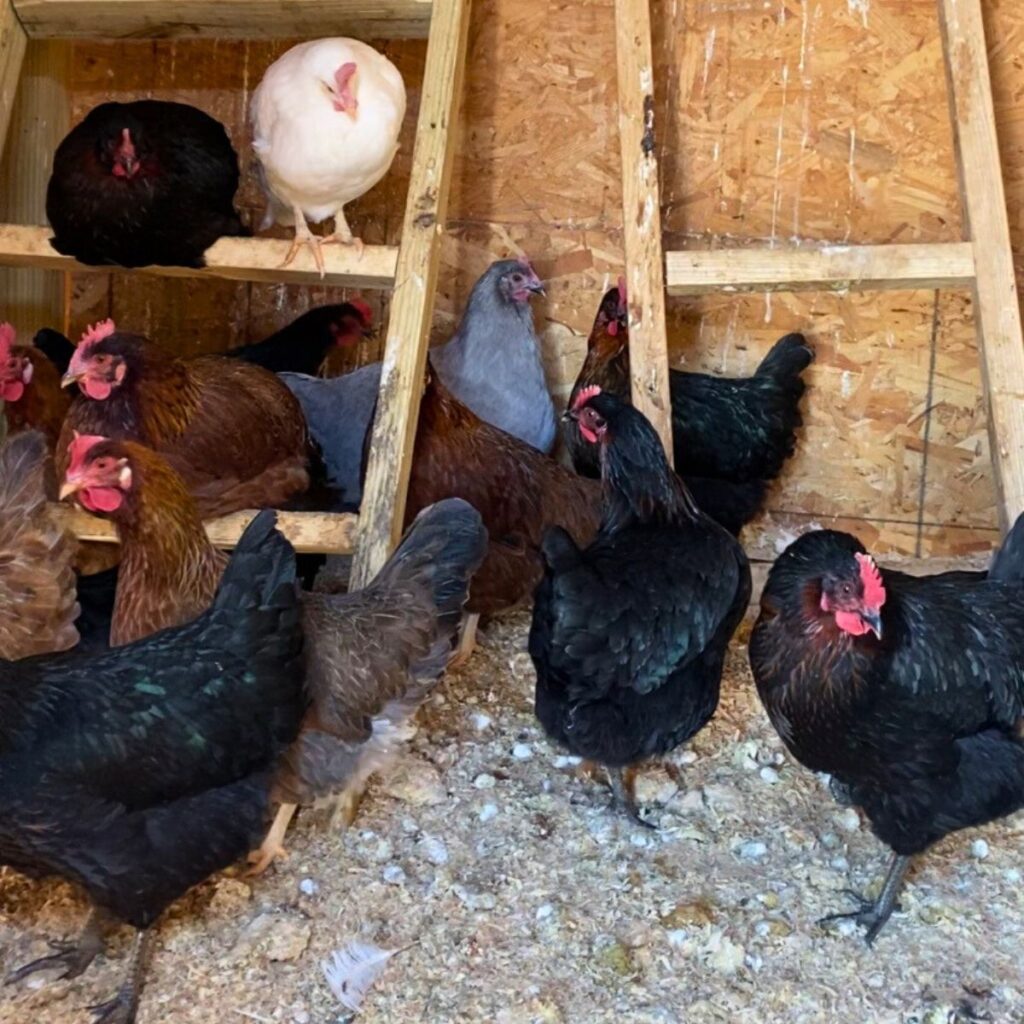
586, 395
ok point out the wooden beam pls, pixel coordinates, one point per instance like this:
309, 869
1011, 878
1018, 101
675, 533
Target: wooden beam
13, 42
997, 306
236, 259
326, 533
828, 268
158, 19
641, 218
31, 298
412, 305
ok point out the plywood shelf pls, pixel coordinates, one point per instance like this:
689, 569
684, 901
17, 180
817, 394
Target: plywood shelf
829, 268
236, 259
157, 19
328, 533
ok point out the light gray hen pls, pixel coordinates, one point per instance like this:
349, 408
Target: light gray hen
373, 656
492, 364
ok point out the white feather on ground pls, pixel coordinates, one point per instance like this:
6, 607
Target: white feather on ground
352, 970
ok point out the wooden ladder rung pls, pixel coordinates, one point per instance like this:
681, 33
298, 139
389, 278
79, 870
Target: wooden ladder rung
235, 259
828, 268
325, 533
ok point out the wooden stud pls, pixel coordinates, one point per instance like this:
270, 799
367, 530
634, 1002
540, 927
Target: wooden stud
641, 217
412, 305
235, 259
829, 268
326, 533
13, 42
31, 298
158, 19
997, 307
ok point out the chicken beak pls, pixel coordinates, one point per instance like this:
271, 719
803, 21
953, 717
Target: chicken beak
70, 487
873, 620
537, 287
69, 378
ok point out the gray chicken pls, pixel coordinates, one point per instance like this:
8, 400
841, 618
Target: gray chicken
492, 365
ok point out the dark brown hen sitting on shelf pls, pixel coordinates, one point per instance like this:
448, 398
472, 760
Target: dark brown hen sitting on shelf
233, 431
149, 182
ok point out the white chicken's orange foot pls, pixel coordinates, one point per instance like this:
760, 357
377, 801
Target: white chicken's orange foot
357, 243
314, 244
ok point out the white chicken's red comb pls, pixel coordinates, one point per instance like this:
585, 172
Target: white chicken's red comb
7, 338
871, 578
96, 333
79, 450
586, 395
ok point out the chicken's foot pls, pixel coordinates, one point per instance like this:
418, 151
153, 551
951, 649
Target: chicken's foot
273, 844
872, 914
621, 780
121, 1009
346, 807
342, 235
74, 957
467, 642
303, 236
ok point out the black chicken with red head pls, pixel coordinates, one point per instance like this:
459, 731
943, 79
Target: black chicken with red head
629, 633
143, 183
908, 691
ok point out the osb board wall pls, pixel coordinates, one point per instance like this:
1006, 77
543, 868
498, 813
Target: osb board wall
780, 122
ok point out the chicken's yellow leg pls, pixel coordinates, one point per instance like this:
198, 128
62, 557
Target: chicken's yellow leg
342, 234
303, 236
272, 847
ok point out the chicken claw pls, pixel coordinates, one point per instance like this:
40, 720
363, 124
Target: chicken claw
342, 235
467, 643
621, 781
74, 957
303, 236
273, 845
872, 914
122, 1008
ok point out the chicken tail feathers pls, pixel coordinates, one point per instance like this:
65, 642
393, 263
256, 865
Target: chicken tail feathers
22, 473
786, 360
261, 573
444, 546
1008, 561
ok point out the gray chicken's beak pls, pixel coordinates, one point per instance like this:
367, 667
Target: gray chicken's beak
874, 621
69, 378
537, 287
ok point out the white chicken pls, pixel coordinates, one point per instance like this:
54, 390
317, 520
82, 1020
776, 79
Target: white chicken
325, 123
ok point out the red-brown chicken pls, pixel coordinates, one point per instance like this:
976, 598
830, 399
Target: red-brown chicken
169, 571
518, 490
232, 430
30, 389
37, 585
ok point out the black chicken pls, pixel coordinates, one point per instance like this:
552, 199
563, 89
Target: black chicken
908, 690
305, 343
138, 772
725, 428
56, 347
143, 183
629, 634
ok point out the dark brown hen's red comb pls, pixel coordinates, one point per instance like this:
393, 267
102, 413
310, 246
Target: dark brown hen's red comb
78, 450
871, 578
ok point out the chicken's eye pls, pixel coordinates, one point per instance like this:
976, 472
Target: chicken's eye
517, 278
846, 589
